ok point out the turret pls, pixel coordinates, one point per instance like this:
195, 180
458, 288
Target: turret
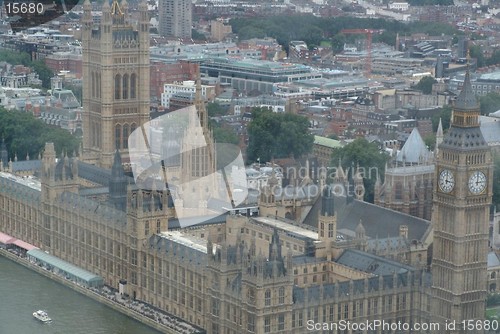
327, 224
118, 184
4, 155
359, 187
439, 136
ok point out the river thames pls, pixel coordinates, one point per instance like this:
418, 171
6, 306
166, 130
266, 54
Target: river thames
23, 291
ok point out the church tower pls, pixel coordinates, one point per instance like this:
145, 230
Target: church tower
198, 159
116, 85
462, 199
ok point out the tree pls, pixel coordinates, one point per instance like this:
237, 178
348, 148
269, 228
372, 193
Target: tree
44, 72
215, 109
477, 53
430, 141
445, 115
224, 134
370, 158
23, 58
24, 134
489, 103
425, 84
277, 135
197, 36
15, 58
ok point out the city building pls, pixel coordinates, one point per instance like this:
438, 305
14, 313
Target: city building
186, 87
323, 148
175, 18
255, 75
409, 181
67, 62
116, 89
309, 252
274, 103
461, 211
162, 73
219, 31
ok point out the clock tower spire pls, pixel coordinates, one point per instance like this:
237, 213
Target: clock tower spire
462, 199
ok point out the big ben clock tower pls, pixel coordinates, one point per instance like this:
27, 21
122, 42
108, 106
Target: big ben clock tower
462, 198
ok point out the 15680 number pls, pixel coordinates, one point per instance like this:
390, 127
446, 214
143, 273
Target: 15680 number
24, 8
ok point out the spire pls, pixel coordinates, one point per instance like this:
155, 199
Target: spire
440, 129
467, 99
115, 8
360, 230
275, 246
118, 183
200, 105
117, 168
439, 135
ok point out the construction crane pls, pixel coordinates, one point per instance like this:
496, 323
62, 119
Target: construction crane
368, 33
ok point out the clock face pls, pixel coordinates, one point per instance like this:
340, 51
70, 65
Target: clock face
477, 182
446, 181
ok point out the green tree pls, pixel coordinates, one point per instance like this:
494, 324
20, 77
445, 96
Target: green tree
44, 72
370, 158
23, 58
312, 30
224, 134
489, 103
477, 53
215, 109
277, 135
198, 36
24, 134
445, 115
430, 141
425, 84
431, 2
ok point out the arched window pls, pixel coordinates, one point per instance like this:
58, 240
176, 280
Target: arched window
118, 79
125, 87
98, 85
133, 85
94, 134
267, 297
93, 83
493, 275
118, 133
281, 296
125, 136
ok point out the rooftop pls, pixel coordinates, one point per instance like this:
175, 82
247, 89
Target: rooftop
371, 263
414, 150
287, 227
328, 142
63, 265
186, 240
29, 181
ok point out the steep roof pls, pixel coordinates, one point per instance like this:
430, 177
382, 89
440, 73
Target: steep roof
370, 263
377, 221
414, 150
467, 99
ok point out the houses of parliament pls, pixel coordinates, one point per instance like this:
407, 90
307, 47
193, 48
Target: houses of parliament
248, 272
